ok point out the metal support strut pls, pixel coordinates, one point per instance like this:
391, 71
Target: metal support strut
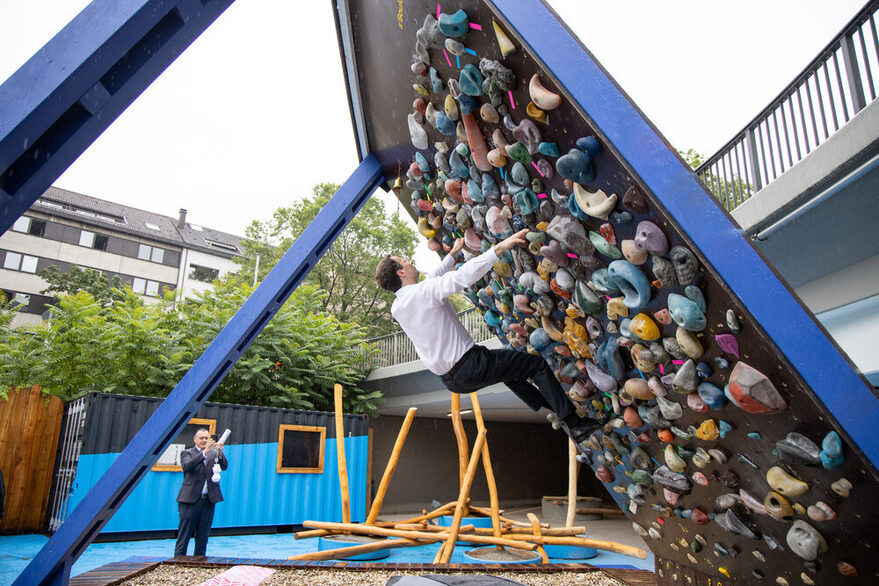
52, 564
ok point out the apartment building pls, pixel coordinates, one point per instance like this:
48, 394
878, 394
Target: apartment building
149, 252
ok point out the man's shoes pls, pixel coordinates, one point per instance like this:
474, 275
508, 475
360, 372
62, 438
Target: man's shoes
580, 432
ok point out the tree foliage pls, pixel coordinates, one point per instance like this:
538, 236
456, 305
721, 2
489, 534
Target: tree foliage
78, 279
729, 193
129, 347
346, 271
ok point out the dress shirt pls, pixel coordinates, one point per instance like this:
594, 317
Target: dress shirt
425, 314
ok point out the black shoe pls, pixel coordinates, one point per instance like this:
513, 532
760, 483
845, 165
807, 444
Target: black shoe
580, 432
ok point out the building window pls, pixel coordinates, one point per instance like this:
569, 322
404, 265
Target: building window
151, 253
21, 300
203, 274
20, 262
30, 226
92, 240
152, 226
221, 245
145, 287
301, 449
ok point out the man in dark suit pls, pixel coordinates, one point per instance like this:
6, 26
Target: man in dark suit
199, 493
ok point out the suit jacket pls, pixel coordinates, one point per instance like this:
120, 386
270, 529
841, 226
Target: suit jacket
195, 472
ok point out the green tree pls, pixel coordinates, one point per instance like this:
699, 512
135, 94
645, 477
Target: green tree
730, 193
78, 279
346, 271
133, 348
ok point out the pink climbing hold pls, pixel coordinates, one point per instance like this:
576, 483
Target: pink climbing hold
476, 142
728, 344
753, 392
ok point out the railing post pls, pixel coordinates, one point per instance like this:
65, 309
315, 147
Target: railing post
853, 74
751, 145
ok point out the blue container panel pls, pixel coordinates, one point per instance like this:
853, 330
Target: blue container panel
255, 494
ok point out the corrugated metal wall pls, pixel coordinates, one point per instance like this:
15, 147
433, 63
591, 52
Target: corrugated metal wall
255, 494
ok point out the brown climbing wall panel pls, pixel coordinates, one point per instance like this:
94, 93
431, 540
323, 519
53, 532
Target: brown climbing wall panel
628, 312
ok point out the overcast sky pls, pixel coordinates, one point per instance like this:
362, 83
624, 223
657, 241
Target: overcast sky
254, 112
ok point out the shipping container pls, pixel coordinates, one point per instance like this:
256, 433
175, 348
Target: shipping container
282, 471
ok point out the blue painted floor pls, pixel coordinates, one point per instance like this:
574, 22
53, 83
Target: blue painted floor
18, 550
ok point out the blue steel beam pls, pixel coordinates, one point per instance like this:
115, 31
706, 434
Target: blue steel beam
72, 89
793, 329
52, 564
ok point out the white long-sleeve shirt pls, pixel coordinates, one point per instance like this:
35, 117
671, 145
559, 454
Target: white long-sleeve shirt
425, 314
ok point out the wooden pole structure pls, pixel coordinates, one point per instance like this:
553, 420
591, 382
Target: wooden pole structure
346, 552
587, 542
535, 527
462, 496
420, 535
573, 475
438, 512
392, 465
461, 437
489, 472
340, 449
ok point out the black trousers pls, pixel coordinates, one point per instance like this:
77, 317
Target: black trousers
481, 367
195, 518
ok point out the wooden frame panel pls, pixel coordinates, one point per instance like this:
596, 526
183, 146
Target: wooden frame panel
281, 469
211, 424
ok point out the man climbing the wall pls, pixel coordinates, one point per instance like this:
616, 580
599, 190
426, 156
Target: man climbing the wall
447, 349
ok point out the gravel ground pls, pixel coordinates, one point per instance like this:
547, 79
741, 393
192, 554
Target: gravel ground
186, 576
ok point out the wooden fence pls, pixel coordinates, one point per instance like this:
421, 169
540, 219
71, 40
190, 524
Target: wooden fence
29, 426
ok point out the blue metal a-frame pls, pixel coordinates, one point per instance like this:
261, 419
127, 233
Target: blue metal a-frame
53, 108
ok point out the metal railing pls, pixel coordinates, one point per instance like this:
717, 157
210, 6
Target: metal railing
823, 97
396, 348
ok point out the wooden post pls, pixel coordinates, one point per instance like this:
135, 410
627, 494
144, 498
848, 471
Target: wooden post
461, 436
489, 472
535, 527
360, 529
346, 552
340, 449
462, 496
573, 475
392, 465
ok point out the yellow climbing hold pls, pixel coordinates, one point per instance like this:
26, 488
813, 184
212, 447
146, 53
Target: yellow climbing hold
708, 431
424, 228
724, 571
644, 327
503, 41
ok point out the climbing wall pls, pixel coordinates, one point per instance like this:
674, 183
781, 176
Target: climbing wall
726, 462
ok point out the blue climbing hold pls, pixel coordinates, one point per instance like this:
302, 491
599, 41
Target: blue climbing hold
520, 174
436, 84
445, 124
686, 313
724, 428
489, 186
589, 145
471, 80
527, 201
576, 166
548, 149
712, 395
632, 282
459, 168
831, 451
467, 104
454, 25
475, 191
422, 162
